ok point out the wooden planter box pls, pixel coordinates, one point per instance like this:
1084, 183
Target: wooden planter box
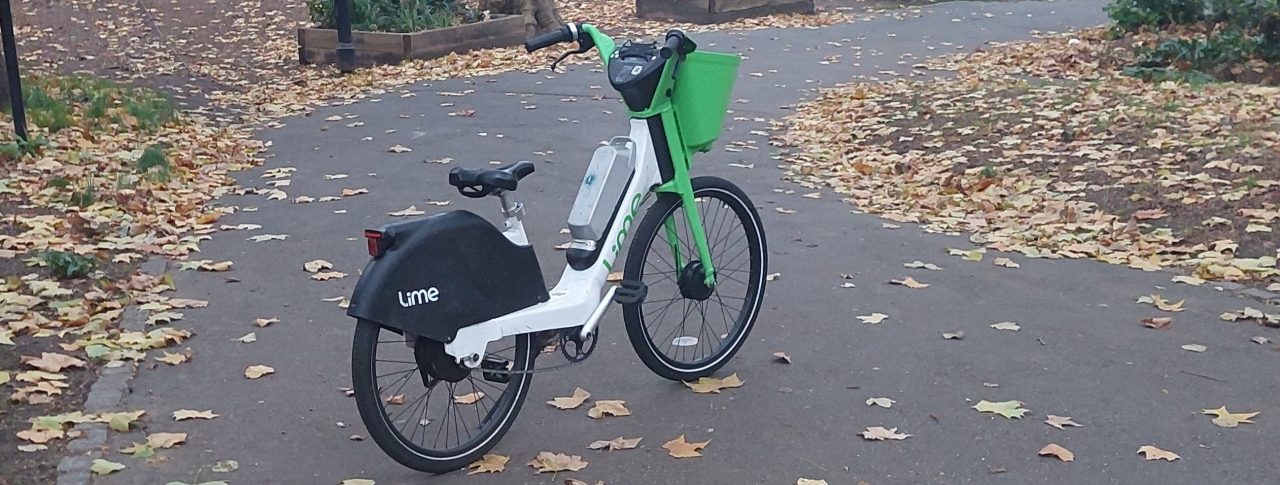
316, 46
716, 11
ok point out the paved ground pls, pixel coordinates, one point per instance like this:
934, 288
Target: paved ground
1080, 352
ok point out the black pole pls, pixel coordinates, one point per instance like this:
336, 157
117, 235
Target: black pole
346, 50
11, 70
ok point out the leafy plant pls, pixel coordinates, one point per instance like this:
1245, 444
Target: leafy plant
68, 265
155, 163
1208, 36
394, 15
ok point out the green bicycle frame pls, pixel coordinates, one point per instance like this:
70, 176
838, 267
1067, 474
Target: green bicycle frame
680, 183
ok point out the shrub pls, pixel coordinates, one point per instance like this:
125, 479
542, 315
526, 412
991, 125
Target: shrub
394, 15
154, 163
68, 265
1208, 36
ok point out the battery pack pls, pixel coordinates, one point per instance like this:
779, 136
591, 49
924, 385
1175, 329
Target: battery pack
602, 187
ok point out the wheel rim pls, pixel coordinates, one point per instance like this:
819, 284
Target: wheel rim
696, 332
439, 419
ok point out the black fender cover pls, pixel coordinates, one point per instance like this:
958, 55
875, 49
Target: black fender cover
445, 272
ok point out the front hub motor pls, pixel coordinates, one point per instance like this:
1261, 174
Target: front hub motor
692, 282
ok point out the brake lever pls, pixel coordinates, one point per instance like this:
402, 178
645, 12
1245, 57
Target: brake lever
584, 45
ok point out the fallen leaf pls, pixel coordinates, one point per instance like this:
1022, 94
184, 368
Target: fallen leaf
262, 322
139, 450
680, 448
608, 408
974, 255
350, 481
328, 275
171, 358
185, 414
1227, 419
712, 385
399, 149
878, 433
316, 265
784, 211
773, 277
1149, 214
1260, 340
1161, 303
1190, 280
1150, 452
52, 362
256, 371
105, 467
883, 402
782, 357
489, 463
1006, 262
267, 237
922, 265
810, 481
1008, 409
910, 282
396, 400
956, 335
469, 398
1059, 421
32, 448
225, 466
120, 421
873, 319
1006, 326
618, 443
1158, 323
165, 440
557, 462
1194, 348
410, 211
248, 338
1052, 449
579, 396
348, 192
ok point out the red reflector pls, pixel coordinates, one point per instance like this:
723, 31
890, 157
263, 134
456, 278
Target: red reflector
372, 238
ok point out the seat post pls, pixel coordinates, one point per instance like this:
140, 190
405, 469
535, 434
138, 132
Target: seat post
513, 225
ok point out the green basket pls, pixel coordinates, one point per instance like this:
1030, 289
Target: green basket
701, 95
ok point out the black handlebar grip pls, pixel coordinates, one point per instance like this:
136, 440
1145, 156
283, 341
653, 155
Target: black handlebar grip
563, 34
675, 39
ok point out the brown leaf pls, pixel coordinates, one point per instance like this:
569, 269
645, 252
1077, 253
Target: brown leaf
262, 322
608, 408
469, 398
396, 400
185, 414
256, 371
328, 275
1158, 323
579, 396
782, 357
910, 282
1052, 449
52, 362
316, 265
1059, 421
490, 463
557, 462
712, 385
1227, 419
680, 448
618, 443
1150, 452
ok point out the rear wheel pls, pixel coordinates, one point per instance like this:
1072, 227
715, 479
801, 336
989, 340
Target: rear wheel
427, 412
685, 329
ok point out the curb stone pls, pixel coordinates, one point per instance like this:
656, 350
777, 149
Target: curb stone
104, 395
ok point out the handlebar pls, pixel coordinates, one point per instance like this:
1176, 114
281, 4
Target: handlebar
676, 42
566, 33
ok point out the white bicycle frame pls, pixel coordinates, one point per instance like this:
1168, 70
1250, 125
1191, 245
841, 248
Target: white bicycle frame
579, 298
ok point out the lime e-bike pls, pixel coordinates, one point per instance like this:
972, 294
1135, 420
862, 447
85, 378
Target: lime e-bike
452, 311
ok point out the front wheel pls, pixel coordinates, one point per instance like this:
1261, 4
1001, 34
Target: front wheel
427, 412
686, 329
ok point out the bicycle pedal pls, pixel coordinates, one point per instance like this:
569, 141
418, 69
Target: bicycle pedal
499, 370
630, 292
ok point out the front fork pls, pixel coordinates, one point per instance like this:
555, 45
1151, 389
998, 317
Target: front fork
681, 185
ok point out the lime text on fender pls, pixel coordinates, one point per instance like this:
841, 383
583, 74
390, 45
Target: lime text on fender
622, 233
418, 297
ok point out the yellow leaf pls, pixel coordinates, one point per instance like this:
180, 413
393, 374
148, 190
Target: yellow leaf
1150, 452
165, 440
1006, 262
1052, 449
105, 467
579, 396
262, 322
974, 255
256, 371
185, 414
490, 463
315, 265
1227, 419
873, 319
712, 385
910, 282
680, 448
1008, 409
171, 358
877, 433
328, 275
608, 408
469, 398
52, 362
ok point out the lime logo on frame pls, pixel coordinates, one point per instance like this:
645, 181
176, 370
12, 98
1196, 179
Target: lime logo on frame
622, 233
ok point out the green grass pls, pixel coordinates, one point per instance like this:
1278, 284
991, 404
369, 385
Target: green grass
155, 163
67, 265
55, 103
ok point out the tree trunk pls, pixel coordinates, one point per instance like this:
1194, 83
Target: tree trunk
4, 86
539, 15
